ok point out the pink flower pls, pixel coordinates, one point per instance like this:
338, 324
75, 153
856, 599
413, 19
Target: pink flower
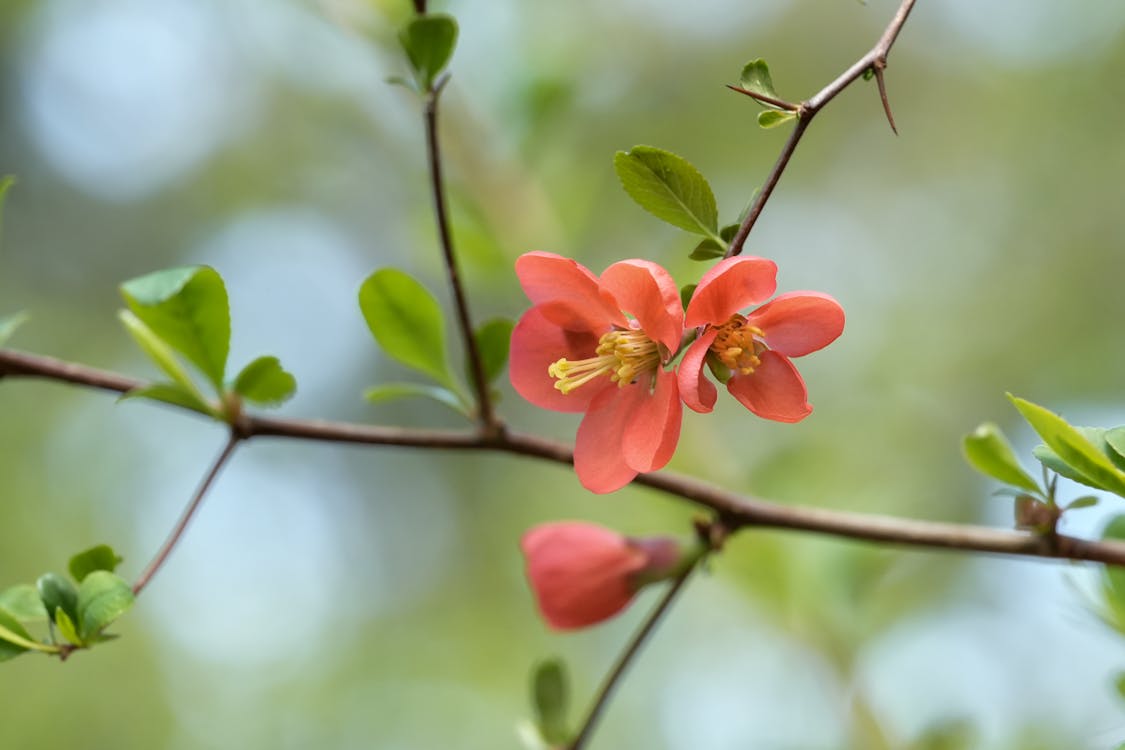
754, 348
583, 573
599, 346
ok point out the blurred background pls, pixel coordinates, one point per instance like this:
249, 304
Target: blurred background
338, 597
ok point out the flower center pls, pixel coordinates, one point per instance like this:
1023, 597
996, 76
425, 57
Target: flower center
620, 354
738, 345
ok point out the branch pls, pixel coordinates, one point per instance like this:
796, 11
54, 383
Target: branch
605, 692
875, 60
736, 511
433, 152
189, 512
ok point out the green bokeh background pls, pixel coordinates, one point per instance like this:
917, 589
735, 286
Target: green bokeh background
341, 597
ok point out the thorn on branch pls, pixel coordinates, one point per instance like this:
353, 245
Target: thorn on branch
879, 66
767, 100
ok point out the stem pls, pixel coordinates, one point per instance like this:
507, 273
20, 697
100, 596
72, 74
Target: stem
192, 506
876, 58
605, 692
736, 510
437, 184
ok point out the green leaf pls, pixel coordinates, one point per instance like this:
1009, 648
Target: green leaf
10, 323
66, 627
756, 78
406, 321
6, 183
772, 118
1119, 683
494, 338
429, 41
1072, 447
669, 188
101, 557
1050, 459
1115, 441
1086, 501
550, 696
14, 639
102, 598
175, 394
158, 351
57, 593
990, 453
1115, 575
23, 603
869, 74
265, 382
708, 249
188, 309
394, 391
686, 291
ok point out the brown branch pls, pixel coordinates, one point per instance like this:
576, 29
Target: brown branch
437, 185
735, 510
177, 532
605, 692
875, 59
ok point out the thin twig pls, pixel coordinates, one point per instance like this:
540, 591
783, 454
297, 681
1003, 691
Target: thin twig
876, 58
613, 678
189, 512
437, 184
736, 510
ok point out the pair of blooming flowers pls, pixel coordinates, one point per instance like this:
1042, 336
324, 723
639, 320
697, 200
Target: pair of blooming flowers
606, 345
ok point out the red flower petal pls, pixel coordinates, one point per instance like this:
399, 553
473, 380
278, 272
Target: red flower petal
775, 390
536, 344
569, 294
731, 285
695, 389
798, 323
650, 294
580, 572
651, 435
599, 458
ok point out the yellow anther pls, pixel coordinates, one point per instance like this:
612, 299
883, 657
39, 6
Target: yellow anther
622, 355
738, 345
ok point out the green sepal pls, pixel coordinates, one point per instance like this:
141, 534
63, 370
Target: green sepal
550, 697
669, 188
265, 382
406, 321
101, 557
721, 372
394, 391
187, 308
9, 324
988, 451
429, 41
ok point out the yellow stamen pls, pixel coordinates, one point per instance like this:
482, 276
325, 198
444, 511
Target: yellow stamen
622, 355
738, 345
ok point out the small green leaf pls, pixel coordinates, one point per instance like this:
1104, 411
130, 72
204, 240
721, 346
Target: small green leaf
265, 382
990, 453
1115, 439
403, 81
756, 78
772, 118
67, 628
669, 188
9, 324
101, 557
6, 183
1119, 683
23, 603
188, 309
728, 232
429, 41
1072, 447
494, 338
1086, 501
550, 696
869, 74
708, 249
394, 391
1114, 574
686, 291
175, 394
14, 639
57, 593
1050, 459
102, 598
406, 321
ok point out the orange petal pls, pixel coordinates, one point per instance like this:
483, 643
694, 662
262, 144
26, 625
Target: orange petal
695, 389
651, 434
537, 343
798, 323
731, 285
649, 293
775, 390
570, 295
599, 459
